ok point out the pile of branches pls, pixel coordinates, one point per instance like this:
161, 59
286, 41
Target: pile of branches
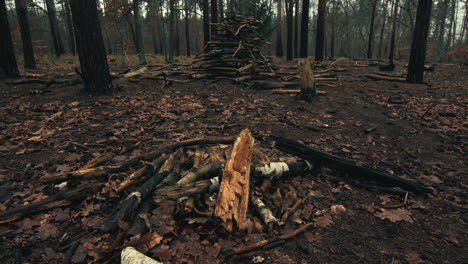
234, 51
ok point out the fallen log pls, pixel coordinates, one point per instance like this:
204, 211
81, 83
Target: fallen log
385, 78
130, 255
233, 196
175, 192
104, 170
349, 166
60, 199
263, 211
209, 170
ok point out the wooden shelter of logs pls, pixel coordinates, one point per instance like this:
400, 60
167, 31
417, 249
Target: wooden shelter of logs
234, 51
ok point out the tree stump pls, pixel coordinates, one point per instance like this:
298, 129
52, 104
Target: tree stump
306, 80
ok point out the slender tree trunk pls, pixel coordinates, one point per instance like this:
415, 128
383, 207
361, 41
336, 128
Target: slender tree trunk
139, 36
450, 28
463, 33
279, 31
289, 37
214, 15
296, 29
56, 38
418, 46
206, 22
394, 29
7, 54
320, 35
333, 21
71, 36
196, 31
159, 28
221, 10
371, 30
382, 28
187, 32
91, 50
152, 13
443, 9
304, 29
177, 29
171, 31
28, 51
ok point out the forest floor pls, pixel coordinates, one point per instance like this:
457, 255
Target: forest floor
415, 131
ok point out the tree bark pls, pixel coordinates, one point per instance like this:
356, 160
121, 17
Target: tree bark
320, 35
187, 32
71, 36
91, 50
171, 31
371, 30
382, 28
23, 21
296, 29
139, 36
394, 29
418, 46
304, 29
333, 22
443, 9
56, 38
176, 31
279, 31
451, 27
214, 15
7, 53
206, 22
159, 27
221, 10
154, 28
289, 23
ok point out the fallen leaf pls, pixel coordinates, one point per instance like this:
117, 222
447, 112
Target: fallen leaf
47, 230
324, 220
395, 215
150, 240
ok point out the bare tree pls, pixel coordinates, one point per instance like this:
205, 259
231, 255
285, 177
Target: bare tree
56, 38
206, 22
279, 30
289, 25
304, 29
296, 29
187, 32
394, 29
28, 51
171, 31
71, 36
333, 22
371, 30
138, 35
8, 65
320, 35
91, 50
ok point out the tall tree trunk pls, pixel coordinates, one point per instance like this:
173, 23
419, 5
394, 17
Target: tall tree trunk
28, 51
289, 24
90, 46
56, 38
7, 54
154, 29
418, 46
394, 29
304, 29
177, 29
139, 36
279, 31
171, 31
159, 27
221, 10
450, 28
320, 35
214, 14
463, 39
206, 22
443, 9
333, 21
187, 32
296, 29
382, 28
71, 36
371, 30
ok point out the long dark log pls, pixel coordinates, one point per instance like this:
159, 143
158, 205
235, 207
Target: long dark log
349, 166
58, 200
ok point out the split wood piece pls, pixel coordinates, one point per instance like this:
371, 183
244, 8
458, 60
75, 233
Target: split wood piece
60, 199
277, 170
175, 192
125, 212
104, 170
132, 256
135, 73
169, 164
233, 197
263, 211
98, 160
208, 171
349, 166
264, 243
141, 174
385, 78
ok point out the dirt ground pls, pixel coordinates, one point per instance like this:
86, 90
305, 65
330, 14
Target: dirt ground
414, 131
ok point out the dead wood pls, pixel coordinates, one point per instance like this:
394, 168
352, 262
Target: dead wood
306, 80
104, 170
277, 170
263, 211
135, 73
385, 78
105, 157
60, 199
348, 166
175, 192
209, 170
131, 256
233, 197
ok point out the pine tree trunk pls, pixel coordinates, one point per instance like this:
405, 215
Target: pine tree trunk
206, 22
289, 37
177, 31
154, 29
187, 32
333, 21
418, 46
159, 28
56, 38
138, 35
394, 29
443, 8
71, 36
90, 46
7, 54
382, 28
28, 51
320, 37
371, 30
304, 29
450, 28
171, 31
296, 29
214, 14
279, 31
221, 10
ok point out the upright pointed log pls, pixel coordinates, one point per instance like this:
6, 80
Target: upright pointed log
306, 79
23, 20
7, 53
233, 197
